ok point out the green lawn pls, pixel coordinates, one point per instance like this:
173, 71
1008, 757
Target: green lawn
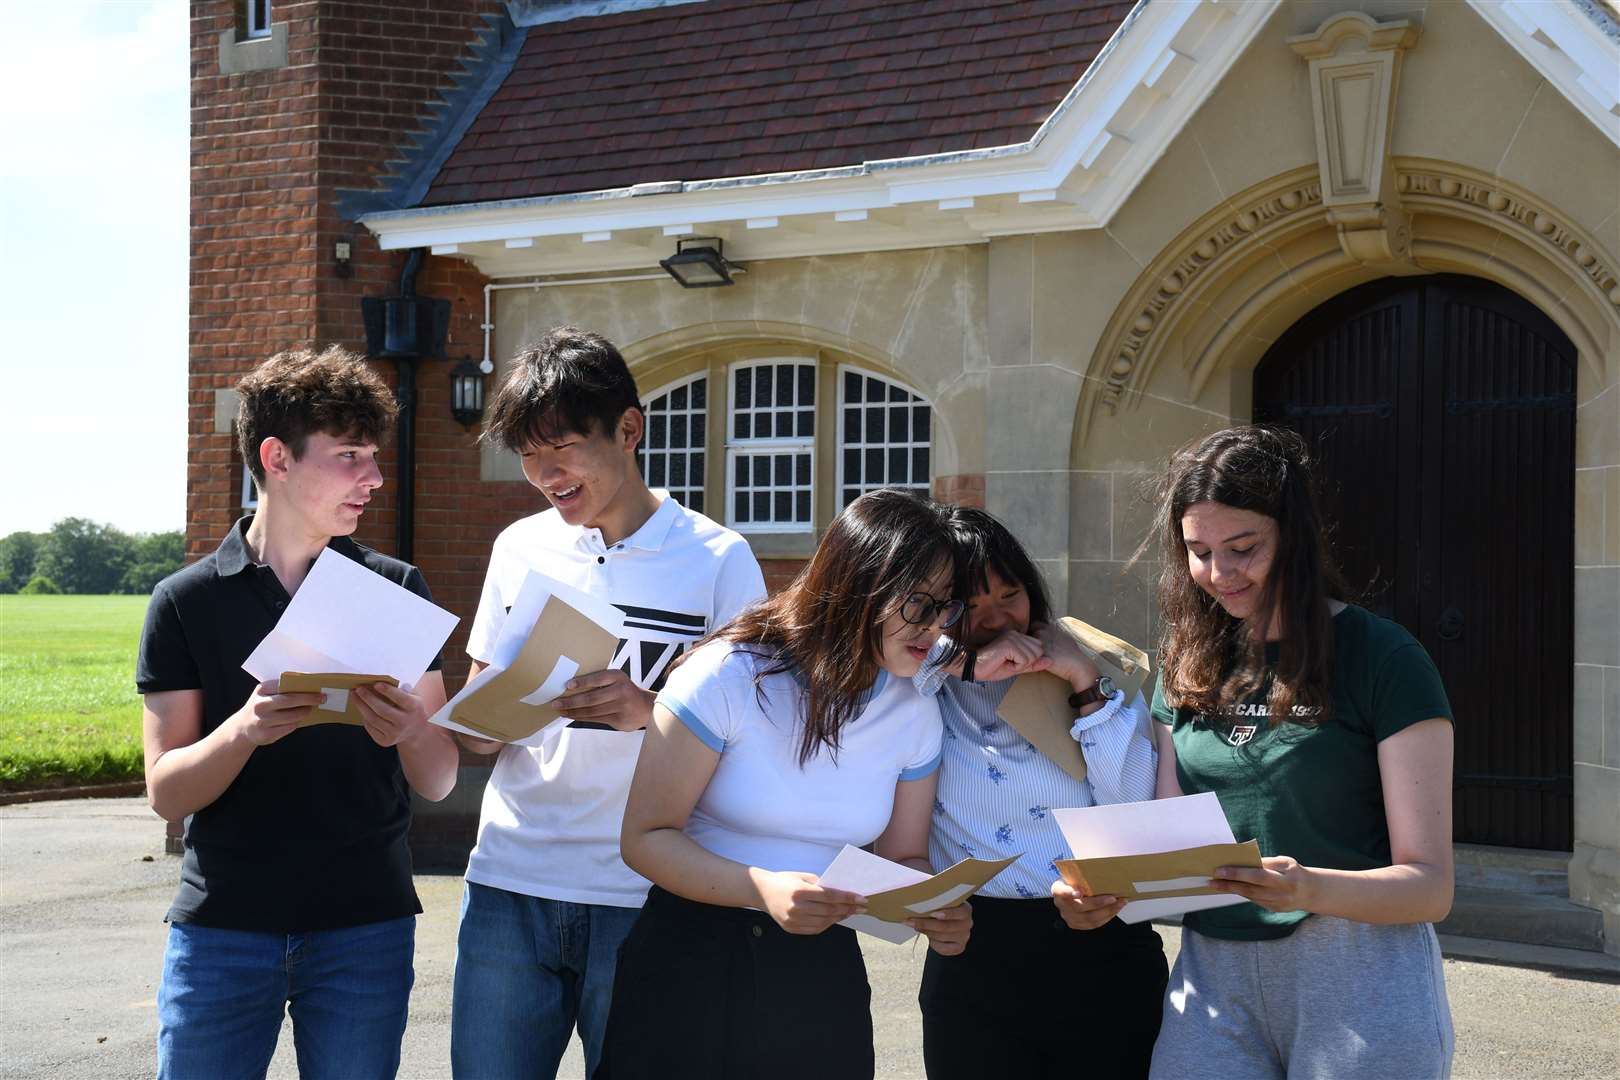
69, 713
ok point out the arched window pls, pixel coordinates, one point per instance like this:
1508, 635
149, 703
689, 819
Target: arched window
771, 451
676, 441
885, 432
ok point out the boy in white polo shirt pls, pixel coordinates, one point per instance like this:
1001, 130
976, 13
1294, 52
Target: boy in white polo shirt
548, 899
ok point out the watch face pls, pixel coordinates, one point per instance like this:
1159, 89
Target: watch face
1105, 686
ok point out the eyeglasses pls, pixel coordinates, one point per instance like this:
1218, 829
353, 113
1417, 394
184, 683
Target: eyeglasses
920, 609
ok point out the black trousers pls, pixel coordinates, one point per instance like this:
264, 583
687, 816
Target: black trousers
716, 993
1030, 998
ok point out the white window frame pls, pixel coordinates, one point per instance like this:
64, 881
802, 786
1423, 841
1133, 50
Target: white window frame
701, 482
250, 490
256, 28
737, 447
910, 446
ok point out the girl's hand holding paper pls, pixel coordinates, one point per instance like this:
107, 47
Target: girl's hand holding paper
1082, 912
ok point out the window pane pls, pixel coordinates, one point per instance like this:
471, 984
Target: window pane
923, 423
739, 507
874, 467
875, 390
897, 466
784, 425
697, 468
677, 432
850, 495
784, 470
852, 387
852, 426
852, 466
762, 506
695, 500
677, 398
801, 507
784, 506
801, 471
743, 394
874, 426
658, 432
740, 471
898, 394
655, 470
700, 393
699, 429
763, 384
739, 426
919, 464
807, 384
899, 425
784, 384
677, 469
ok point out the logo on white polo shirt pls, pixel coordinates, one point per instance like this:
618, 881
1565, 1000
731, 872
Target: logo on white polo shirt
646, 657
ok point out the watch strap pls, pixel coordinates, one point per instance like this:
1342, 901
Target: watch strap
968, 664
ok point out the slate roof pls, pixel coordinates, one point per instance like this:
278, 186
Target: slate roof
730, 88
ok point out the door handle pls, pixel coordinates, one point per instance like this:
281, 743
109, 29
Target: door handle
1451, 624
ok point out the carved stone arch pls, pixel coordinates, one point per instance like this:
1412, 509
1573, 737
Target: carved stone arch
656, 358
1224, 290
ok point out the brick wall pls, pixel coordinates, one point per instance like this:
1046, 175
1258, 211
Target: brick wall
271, 152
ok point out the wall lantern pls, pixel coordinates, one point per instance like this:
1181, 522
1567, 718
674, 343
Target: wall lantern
699, 262
467, 392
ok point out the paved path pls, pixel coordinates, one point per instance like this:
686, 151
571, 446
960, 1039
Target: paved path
83, 887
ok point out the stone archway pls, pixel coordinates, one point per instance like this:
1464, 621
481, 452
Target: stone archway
1230, 284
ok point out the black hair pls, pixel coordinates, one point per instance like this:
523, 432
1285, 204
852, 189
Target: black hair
570, 381
983, 544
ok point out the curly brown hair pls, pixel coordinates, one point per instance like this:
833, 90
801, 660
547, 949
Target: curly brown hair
1208, 659
299, 392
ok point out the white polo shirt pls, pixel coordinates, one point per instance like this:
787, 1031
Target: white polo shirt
761, 807
551, 815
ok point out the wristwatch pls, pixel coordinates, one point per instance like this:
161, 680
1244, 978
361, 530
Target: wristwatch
968, 663
1102, 691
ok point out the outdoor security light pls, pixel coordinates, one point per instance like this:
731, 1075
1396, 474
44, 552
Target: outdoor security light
467, 393
699, 262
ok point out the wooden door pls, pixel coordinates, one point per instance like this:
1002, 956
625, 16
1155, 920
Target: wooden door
1442, 410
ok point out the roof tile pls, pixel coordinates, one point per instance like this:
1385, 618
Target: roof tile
740, 87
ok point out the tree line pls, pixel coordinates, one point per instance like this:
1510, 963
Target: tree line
82, 556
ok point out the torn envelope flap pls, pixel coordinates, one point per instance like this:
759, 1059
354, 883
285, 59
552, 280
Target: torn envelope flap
339, 706
1185, 872
1037, 707
1115, 657
943, 890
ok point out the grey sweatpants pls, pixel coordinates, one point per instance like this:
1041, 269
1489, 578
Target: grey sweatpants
1335, 1000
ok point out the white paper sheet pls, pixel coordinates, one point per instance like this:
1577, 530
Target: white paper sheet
344, 618
862, 872
531, 599
1147, 828
336, 700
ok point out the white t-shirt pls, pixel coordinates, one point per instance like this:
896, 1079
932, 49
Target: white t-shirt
551, 815
762, 808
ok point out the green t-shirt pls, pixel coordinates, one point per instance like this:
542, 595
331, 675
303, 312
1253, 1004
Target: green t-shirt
1309, 791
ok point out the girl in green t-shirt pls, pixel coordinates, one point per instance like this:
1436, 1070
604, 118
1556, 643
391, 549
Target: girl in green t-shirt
1326, 733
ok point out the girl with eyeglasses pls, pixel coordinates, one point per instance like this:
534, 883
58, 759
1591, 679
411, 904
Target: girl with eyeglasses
1049, 974
792, 731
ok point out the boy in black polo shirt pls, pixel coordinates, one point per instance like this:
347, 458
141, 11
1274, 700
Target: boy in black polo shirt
295, 891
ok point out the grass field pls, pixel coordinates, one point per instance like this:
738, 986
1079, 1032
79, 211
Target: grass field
69, 713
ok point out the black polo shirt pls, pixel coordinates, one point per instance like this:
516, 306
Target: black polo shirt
312, 833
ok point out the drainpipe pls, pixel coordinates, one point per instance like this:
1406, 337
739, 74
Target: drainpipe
405, 522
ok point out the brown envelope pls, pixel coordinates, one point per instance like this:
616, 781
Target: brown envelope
497, 709
890, 906
1037, 704
1120, 875
298, 682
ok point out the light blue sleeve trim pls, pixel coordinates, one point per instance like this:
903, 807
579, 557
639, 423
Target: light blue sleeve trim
926, 769
697, 727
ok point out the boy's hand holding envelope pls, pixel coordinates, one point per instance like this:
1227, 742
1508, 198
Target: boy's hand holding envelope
268, 715
607, 697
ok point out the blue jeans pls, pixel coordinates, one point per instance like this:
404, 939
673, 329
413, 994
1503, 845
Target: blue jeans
527, 969
220, 1004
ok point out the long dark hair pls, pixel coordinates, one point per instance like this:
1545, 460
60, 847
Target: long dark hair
1207, 658
826, 626
983, 544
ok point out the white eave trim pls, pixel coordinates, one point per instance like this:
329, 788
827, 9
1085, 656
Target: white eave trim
1074, 173
1574, 44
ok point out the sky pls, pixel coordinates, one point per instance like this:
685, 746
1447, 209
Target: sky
93, 262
